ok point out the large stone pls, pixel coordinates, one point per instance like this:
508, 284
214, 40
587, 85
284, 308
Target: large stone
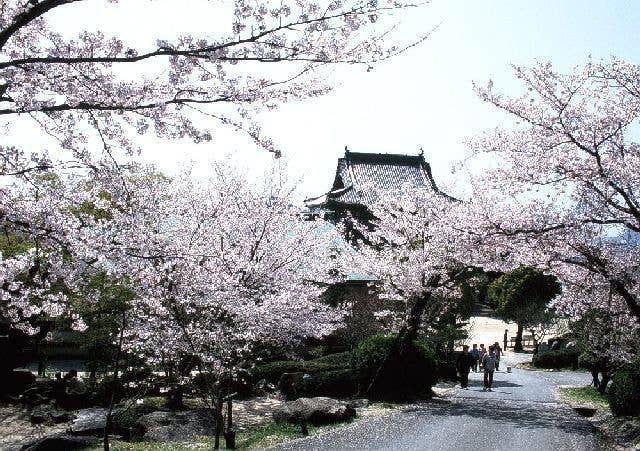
40, 392
48, 414
179, 426
316, 411
89, 421
61, 442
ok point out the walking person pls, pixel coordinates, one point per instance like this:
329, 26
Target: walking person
504, 339
498, 352
481, 353
489, 365
476, 357
463, 365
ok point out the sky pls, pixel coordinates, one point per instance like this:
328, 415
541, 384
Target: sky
420, 99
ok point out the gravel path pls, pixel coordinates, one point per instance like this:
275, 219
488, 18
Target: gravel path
521, 413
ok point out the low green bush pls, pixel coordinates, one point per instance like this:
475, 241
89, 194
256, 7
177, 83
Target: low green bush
337, 384
562, 358
384, 373
624, 391
273, 370
587, 360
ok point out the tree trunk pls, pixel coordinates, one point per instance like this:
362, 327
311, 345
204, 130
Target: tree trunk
230, 434
408, 333
116, 371
535, 341
218, 421
518, 345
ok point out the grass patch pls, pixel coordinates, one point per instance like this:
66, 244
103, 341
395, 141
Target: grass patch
261, 437
118, 445
269, 435
584, 395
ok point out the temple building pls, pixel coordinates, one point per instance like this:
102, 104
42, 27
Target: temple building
359, 179
360, 176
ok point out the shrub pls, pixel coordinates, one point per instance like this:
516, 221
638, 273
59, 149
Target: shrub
273, 370
562, 358
587, 360
337, 383
407, 376
624, 392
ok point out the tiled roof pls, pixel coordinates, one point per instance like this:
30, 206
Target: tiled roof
360, 175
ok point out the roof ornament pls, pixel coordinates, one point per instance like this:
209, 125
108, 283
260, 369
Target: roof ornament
421, 152
346, 150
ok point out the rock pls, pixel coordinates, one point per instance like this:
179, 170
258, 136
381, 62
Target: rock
585, 411
316, 411
89, 421
40, 392
61, 442
47, 413
180, 426
359, 403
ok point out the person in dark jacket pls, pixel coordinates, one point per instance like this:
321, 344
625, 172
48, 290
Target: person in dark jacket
463, 365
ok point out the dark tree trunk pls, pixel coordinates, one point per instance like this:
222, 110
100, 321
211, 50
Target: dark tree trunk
114, 387
408, 333
518, 345
218, 421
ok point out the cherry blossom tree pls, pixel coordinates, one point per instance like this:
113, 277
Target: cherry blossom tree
75, 105
560, 189
220, 267
412, 252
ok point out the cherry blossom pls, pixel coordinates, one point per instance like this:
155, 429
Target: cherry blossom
561, 190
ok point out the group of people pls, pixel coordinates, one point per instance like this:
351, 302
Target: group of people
479, 359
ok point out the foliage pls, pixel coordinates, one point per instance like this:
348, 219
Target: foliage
585, 395
522, 295
339, 383
12, 245
273, 370
270, 435
557, 359
406, 375
104, 320
624, 391
561, 193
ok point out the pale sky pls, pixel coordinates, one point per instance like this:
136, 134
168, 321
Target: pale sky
423, 98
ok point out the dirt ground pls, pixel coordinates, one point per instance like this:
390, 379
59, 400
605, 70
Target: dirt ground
487, 330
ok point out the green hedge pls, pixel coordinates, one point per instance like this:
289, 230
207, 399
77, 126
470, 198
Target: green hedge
624, 391
273, 370
407, 376
336, 384
562, 358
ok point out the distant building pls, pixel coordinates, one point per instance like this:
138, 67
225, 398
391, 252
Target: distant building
358, 180
360, 176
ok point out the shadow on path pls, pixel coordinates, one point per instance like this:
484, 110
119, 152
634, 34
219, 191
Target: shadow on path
522, 415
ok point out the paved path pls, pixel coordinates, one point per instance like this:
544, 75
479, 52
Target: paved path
521, 413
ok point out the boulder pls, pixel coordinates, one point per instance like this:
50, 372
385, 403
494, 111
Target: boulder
359, 403
61, 442
49, 414
90, 421
178, 426
316, 411
40, 392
